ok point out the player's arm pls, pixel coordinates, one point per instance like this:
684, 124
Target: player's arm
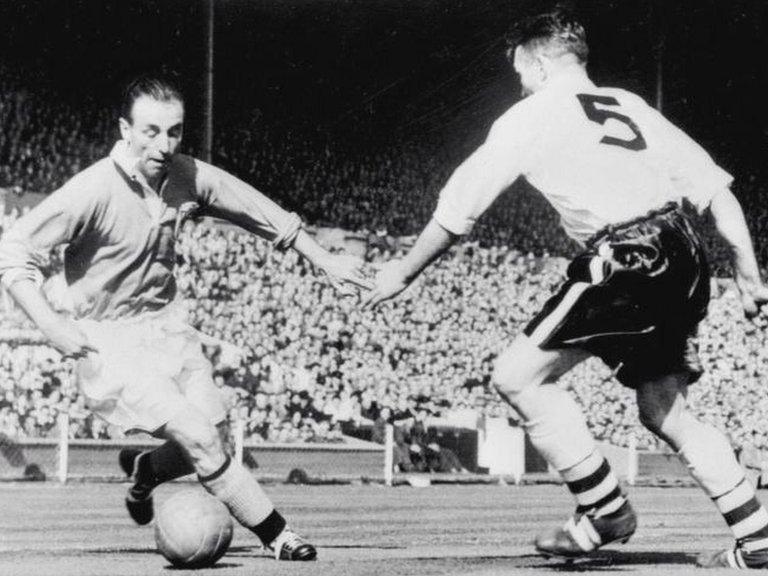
396, 275
227, 197
471, 189
732, 227
698, 178
61, 332
57, 220
343, 271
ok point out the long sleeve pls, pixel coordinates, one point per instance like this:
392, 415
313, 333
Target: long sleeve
227, 197
55, 221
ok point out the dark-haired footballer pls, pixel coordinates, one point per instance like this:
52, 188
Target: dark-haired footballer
140, 365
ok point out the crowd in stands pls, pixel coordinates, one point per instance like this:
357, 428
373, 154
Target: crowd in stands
299, 364
43, 140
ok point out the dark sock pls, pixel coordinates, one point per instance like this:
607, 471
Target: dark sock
245, 499
270, 528
166, 462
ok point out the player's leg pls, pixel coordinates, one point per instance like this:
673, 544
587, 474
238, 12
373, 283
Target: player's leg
231, 483
148, 470
711, 461
223, 477
524, 376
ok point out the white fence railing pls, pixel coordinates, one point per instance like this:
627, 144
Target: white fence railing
500, 452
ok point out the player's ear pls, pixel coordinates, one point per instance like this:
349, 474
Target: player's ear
125, 129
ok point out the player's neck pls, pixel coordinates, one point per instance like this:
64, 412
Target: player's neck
567, 73
153, 181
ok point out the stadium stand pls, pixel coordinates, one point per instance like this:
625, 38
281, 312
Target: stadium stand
300, 365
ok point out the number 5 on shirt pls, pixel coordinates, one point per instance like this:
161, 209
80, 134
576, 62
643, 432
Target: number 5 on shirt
590, 101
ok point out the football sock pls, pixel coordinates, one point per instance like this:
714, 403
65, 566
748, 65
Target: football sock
709, 456
745, 515
711, 461
163, 464
270, 528
558, 430
555, 425
594, 485
245, 499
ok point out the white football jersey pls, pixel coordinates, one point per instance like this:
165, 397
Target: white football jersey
599, 155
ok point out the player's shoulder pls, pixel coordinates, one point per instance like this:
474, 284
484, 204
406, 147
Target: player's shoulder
185, 162
625, 97
203, 178
524, 114
192, 165
95, 180
96, 171
185, 167
203, 174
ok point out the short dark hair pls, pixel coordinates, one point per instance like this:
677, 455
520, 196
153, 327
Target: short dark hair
558, 31
162, 88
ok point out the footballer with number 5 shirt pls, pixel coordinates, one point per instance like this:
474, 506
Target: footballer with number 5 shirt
140, 365
621, 178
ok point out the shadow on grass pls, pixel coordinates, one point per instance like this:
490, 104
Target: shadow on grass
363, 547
216, 566
614, 560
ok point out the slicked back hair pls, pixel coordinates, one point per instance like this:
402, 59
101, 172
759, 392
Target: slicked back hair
158, 88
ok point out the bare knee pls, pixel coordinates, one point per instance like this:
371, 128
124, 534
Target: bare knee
507, 379
512, 374
199, 438
524, 366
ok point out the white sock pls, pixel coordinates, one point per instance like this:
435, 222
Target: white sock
240, 492
709, 458
555, 425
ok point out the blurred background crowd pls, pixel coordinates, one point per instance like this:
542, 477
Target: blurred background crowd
298, 363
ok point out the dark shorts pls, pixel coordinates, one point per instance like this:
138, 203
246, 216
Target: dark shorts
634, 298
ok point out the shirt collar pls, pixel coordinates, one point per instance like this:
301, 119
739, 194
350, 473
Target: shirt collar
570, 79
130, 165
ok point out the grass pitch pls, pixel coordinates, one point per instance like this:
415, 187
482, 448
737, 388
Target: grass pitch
82, 530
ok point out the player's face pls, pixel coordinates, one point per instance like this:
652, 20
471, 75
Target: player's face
153, 133
529, 70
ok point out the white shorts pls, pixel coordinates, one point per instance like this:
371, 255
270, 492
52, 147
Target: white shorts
148, 369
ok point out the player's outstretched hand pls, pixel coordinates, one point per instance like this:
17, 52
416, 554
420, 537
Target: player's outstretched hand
67, 338
390, 281
754, 294
345, 272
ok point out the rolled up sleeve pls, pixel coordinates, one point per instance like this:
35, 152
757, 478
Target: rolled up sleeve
229, 198
692, 171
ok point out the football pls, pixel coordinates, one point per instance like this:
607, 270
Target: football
193, 529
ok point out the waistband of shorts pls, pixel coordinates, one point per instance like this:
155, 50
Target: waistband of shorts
611, 229
173, 308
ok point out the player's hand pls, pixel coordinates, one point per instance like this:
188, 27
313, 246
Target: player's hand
753, 294
67, 338
345, 273
390, 281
